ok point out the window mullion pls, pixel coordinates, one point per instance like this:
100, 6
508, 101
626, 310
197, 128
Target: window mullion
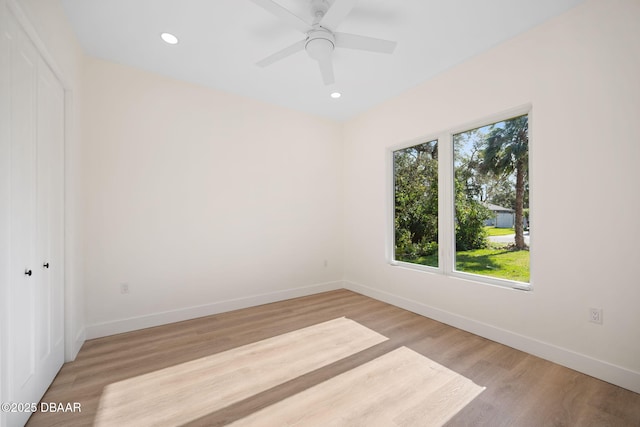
446, 238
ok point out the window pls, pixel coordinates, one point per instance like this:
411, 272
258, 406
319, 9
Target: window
415, 172
474, 224
492, 200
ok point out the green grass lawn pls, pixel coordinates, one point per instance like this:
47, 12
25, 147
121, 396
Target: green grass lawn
431, 260
492, 231
495, 261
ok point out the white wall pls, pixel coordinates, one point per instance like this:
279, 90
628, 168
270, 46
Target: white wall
201, 198
53, 36
580, 72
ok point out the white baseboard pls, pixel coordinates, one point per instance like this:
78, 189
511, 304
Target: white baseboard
605, 371
98, 330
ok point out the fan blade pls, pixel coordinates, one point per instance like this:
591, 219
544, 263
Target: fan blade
275, 9
287, 51
353, 41
336, 13
326, 68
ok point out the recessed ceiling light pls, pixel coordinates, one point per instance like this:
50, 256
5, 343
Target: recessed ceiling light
169, 38
336, 95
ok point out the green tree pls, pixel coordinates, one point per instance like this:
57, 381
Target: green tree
416, 201
506, 153
467, 163
502, 193
471, 186
470, 218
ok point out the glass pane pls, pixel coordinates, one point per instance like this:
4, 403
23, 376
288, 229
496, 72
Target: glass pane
491, 177
416, 204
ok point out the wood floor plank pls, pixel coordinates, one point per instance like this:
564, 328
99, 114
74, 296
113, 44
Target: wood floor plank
521, 390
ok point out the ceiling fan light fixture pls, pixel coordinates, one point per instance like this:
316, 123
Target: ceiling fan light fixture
319, 48
336, 95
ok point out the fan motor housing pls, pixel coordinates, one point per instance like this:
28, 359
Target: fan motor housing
320, 43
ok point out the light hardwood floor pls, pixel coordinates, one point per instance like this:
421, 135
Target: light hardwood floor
521, 389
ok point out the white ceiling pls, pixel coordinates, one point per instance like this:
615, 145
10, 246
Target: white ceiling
221, 40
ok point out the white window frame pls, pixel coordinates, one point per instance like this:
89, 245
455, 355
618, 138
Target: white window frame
446, 208
391, 240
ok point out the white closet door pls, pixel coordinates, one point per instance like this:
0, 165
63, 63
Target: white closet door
35, 312
23, 285
49, 345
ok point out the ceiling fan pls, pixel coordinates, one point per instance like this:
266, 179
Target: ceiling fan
320, 39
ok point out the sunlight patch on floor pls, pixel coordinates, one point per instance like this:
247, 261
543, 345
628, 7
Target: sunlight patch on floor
186, 392
400, 388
